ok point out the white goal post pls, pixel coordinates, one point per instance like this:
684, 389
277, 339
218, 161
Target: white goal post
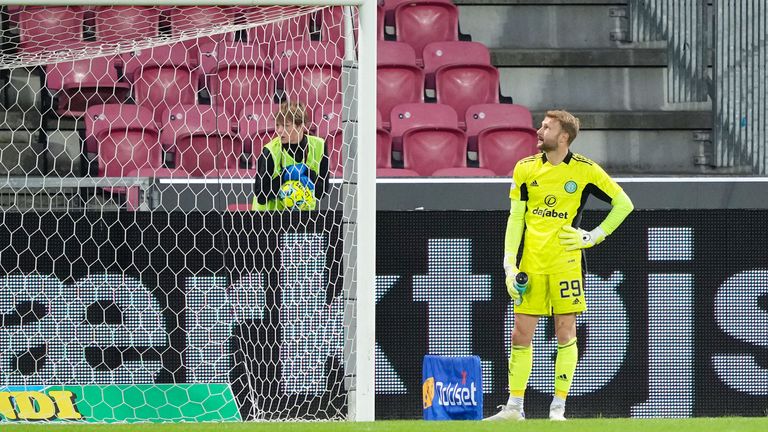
356, 187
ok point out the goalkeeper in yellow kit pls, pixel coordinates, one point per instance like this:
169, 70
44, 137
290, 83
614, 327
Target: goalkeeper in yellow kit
547, 197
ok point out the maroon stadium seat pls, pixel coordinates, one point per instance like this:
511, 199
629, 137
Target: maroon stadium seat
332, 26
398, 79
419, 23
429, 137
309, 71
443, 53
389, 6
383, 145
462, 86
201, 139
50, 28
238, 75
189, 19
126, 136
256, 126
83, 83
272, 34
507, 134
126, 23
162, 76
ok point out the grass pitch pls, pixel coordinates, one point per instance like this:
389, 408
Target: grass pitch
720, 424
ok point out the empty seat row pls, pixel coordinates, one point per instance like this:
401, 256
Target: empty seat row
429, 139
57, 28
127, 137
234, 74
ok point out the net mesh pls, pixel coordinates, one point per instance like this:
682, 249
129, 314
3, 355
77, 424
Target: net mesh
134, 285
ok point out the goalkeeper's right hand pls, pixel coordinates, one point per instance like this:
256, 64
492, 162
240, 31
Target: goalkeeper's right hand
511, 271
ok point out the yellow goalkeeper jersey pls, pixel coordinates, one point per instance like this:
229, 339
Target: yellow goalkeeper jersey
555, 196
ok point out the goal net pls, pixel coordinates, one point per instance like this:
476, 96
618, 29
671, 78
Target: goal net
172, 248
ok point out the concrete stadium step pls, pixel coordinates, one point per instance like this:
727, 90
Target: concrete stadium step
584, 57
545, 23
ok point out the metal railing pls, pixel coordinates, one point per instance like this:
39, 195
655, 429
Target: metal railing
741, 101
684, 25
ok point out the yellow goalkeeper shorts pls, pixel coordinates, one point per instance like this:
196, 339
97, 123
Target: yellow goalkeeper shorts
558, 293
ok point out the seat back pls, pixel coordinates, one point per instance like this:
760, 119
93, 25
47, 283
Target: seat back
126, 136
398, 79
162, 77
419, 23
442, 53
482, 116
462, 86
237, 75
427, 149
499, 148
415, 115
126, 23
49, 28
188, 19
201, 139
274, 33
83, 83
309, 71
332, 26
256, 126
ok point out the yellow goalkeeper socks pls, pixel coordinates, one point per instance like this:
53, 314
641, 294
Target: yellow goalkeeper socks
565, 366
520, 364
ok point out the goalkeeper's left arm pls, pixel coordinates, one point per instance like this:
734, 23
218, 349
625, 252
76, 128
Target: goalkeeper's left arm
577, 238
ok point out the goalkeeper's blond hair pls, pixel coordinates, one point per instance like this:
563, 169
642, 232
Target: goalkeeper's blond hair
568, 122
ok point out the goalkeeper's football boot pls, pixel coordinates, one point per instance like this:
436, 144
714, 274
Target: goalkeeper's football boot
508, 412
557, 412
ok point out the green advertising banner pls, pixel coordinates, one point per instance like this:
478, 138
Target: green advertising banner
120, 403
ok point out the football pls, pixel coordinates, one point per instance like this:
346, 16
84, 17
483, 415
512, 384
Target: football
295, 196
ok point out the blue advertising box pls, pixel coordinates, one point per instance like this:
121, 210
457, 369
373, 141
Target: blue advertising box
452, 388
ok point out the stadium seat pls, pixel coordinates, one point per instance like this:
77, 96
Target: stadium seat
463, 172
201, 139
462, 86
332, 26
273, 33
132, 198
327, 120
430, 138
380, 22
187, 20
422, 22
389, 6
499, 148
416, 115
126, 136
395, 172
237, 75
50, 28
256, 126
162, 76
481, 116
398, 79
443, 53
126, 23
507, 134
309, 71
83, 83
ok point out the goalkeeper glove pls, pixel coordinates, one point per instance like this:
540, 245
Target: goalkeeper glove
577, 238
510, 271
